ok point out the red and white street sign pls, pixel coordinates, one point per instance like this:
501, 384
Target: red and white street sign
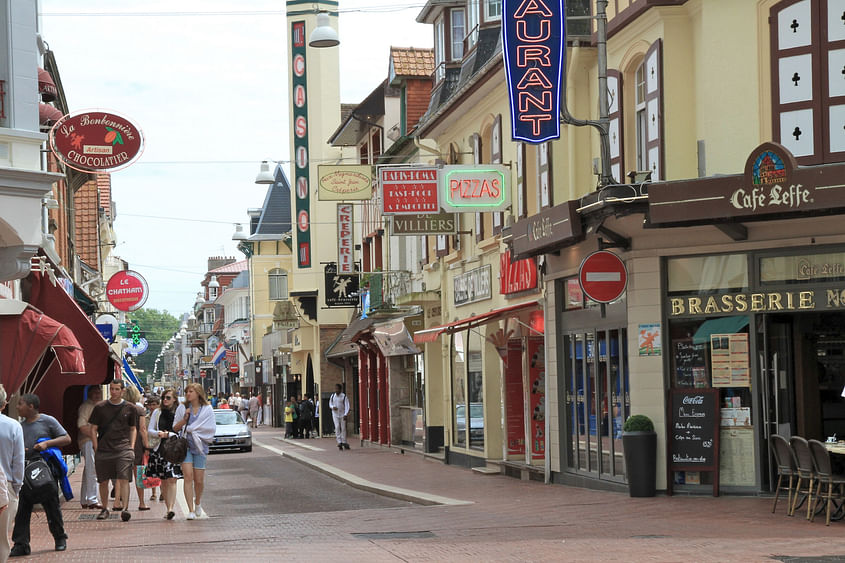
603, 276
127, 290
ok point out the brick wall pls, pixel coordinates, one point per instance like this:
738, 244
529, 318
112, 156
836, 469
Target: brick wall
417, 97
87, 203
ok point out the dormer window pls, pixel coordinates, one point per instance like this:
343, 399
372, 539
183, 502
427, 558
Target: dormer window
459, 31
492, 10
472, 23
439, 50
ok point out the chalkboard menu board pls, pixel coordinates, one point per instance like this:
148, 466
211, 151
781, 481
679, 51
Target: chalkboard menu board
689, 364
694, 432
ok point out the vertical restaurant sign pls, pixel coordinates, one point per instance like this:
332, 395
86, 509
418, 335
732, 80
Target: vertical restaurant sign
345, 262
534, 35
300, 144
517, 276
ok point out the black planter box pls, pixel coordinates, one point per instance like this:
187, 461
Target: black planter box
640, 462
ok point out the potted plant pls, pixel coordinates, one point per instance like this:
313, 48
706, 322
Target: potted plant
639, 442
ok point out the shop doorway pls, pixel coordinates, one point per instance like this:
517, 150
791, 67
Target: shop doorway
801, 360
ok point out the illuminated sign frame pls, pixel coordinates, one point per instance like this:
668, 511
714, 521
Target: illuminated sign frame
471, 184
299, 81
345, 259
534, 39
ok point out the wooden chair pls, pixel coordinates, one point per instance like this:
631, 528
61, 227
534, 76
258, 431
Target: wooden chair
786, 468
806, 473
825, 476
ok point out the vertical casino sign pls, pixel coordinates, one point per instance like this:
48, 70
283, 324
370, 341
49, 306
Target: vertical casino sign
300, 143
534, 35
96, 141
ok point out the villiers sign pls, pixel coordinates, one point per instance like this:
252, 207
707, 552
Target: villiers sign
534, 35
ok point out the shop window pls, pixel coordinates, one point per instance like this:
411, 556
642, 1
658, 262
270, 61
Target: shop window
459, 396
574, 295
468, 389
803, 269
808, 95
278, 280
701, 274
715, 353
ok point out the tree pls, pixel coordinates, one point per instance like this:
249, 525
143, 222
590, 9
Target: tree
158, 327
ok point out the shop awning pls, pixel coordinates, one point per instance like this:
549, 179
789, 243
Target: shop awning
431, 334
130, 375
393, 339
31, 343
723, 325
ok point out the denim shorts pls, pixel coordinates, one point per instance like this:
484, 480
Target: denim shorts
198, 460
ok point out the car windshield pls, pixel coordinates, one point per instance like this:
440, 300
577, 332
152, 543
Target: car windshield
231, 417
476, 410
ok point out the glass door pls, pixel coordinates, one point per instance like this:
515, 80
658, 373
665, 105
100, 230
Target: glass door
775, 350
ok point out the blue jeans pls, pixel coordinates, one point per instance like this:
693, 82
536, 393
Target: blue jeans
198, 460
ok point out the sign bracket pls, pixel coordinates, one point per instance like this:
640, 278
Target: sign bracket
615, 239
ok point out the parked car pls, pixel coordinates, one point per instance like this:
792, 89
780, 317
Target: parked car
231, 433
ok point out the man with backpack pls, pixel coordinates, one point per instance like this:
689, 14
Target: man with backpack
40, 432
306, 416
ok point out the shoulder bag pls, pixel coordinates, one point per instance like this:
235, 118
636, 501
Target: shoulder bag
175, 448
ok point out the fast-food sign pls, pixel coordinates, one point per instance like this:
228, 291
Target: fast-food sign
409, 191
475, 189
96, 141
534, 35
127, 290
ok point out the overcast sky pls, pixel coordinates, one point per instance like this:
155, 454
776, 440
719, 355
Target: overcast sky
207, 86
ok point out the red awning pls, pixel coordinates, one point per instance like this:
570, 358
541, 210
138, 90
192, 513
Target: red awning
48, 115
431, 334
30, 344
46, 86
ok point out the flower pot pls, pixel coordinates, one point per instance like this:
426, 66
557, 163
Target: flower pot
640, 462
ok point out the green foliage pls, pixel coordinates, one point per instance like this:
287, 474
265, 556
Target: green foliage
638, 423
158, 327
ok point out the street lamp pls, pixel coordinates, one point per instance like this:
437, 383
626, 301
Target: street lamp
324, 34
264, 175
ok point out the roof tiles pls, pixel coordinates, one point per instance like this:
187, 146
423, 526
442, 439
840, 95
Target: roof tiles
412, 61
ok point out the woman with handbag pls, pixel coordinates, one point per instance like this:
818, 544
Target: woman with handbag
161, 426
196, 417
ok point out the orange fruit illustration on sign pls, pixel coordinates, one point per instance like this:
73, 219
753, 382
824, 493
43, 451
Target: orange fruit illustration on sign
113, 137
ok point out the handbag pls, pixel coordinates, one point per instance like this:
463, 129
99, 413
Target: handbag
174, 449
153, 438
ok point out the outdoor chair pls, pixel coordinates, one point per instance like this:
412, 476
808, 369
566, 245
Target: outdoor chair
786, 468
825, 476
806, 473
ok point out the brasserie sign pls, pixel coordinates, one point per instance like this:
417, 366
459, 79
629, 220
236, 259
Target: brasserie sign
758, 302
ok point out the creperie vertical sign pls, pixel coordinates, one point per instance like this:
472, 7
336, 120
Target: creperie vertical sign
409, 191
345, 262
534, 37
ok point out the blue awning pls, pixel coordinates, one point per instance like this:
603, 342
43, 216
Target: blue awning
722, 325
131, 376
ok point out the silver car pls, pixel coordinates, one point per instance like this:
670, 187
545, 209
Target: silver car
231, 433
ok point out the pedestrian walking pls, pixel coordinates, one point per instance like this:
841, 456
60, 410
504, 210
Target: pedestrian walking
306, 416
40, 432
161, 425
12, 462
339, 403
196, 419
114, 425
142, 444
253, 411
243, 407
290, 410
153, 404
88, 494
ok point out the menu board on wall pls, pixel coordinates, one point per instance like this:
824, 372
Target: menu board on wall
694, 433
736, 462
729, 360
689, 364
537, 396
514, 401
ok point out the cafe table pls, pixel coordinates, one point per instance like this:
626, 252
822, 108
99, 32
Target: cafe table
837, 448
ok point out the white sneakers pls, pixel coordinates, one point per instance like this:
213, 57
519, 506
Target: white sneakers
191, 516
200, 512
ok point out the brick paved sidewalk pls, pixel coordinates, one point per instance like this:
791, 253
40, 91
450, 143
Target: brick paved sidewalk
484, 518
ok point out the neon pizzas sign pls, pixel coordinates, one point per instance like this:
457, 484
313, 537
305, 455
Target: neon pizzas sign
534, 36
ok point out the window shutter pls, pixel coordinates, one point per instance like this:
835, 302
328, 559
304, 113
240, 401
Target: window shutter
476, 159
614, 114
521, 192
544, 174
833, 79
654, 110
496, 158
796, 119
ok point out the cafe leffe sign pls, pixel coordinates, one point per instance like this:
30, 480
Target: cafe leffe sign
96, 141
534, 38
772, 185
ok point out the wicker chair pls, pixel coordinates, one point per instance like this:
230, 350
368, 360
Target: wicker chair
825, 476
806, 473
786, 468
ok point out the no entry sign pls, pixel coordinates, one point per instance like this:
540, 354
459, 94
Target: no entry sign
603, 276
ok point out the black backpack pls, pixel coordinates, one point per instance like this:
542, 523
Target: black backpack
38, 480
305, 410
